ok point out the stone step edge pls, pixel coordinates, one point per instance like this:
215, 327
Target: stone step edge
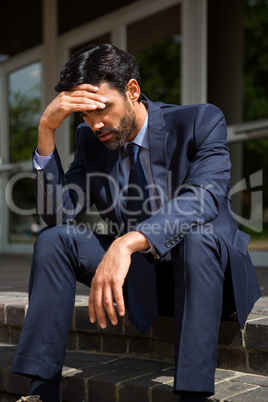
253, 337
13, 308
112, 378
245, 350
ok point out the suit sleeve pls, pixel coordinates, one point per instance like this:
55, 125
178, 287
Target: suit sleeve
196, 201
61, 197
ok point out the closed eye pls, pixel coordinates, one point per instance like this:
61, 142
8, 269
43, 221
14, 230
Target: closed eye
101, 110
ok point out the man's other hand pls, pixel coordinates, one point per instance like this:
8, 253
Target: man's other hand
107, 283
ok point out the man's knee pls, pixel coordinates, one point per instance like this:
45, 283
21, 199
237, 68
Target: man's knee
202, 251
51, 238
196, 243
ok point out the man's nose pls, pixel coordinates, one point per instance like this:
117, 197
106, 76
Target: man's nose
97, 125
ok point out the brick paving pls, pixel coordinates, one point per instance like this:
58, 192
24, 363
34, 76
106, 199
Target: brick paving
106, 378
110, 370
118, 364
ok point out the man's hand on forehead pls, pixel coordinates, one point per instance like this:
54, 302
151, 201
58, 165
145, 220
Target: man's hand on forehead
86, 95
83, 99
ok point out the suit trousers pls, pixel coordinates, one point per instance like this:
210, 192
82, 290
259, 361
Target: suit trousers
66, 254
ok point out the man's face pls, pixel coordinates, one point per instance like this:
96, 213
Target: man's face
114, 124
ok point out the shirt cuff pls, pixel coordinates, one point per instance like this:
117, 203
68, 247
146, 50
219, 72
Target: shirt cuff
151, 249
39, 161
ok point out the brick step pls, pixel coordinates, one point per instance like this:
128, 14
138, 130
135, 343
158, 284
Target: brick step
242, 350
98, 377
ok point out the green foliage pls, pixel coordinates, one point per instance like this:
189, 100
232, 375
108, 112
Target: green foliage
255, 159
24, 110
160, 70
255, 153
256, 60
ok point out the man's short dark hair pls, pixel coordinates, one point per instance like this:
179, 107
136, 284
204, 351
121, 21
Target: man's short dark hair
92, 64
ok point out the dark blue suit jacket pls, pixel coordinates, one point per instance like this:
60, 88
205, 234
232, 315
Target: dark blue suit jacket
191, 170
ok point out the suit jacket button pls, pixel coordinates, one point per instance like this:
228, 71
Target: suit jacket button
177, 237
172, 240
181, 235
167, 244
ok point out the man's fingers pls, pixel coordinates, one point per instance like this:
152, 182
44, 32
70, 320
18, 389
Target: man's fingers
103, 299
99, 310
83, 102
107, 288
84, 95
86, 92
109, 305
119, 300
91, 305
96, 308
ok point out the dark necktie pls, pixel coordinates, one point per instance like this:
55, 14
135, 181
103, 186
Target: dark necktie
142, 290
138, 203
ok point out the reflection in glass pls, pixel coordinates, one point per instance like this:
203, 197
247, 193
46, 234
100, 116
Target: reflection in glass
160, 70
158, 54
24, 103
252, 201
23, 224
255, 91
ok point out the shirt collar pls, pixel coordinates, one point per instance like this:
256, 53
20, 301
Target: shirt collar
141, 138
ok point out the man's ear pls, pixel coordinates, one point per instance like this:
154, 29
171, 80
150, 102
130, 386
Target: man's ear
133, 90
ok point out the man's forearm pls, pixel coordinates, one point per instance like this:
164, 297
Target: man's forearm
134, 241
46, 139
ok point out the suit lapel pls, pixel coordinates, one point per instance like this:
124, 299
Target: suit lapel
157, 144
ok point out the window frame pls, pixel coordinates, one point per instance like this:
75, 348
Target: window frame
247, 132
6, 168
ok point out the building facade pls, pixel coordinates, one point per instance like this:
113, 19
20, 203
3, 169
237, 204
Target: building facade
190, 51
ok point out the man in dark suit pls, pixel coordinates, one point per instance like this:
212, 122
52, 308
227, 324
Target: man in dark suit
174, 235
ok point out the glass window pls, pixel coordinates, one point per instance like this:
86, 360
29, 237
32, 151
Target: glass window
251, 158
24, 101
250, 192
237, 71
158, 53
24, 223
255, 60
24, 108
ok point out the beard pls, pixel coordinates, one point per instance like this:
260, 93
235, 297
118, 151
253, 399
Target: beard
123, 131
